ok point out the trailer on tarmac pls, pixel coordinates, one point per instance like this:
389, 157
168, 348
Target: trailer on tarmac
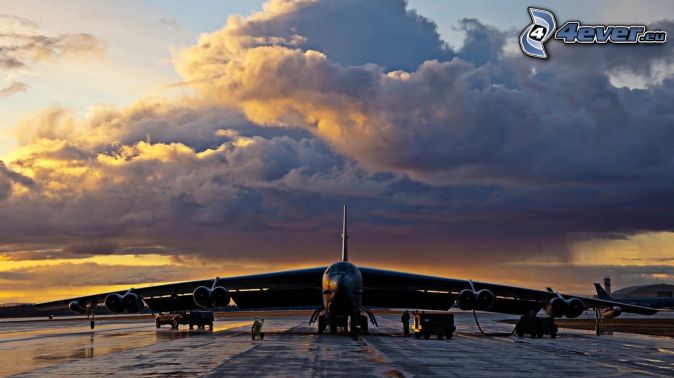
201, 319
536, 326
439, 324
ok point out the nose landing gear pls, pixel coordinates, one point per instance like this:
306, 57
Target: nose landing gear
355, 319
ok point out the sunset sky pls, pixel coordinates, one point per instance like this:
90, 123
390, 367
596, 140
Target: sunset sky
160, 141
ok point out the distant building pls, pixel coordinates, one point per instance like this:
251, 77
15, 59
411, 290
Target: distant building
654, 290
607, 284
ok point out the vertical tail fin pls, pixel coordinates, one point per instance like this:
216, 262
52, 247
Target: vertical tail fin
345, 237
601, 293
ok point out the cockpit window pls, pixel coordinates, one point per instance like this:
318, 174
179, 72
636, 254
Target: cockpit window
340, 268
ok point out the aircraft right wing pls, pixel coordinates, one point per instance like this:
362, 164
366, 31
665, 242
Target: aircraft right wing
384, 288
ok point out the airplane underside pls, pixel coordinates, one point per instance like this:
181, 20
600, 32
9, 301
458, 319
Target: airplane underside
352, 321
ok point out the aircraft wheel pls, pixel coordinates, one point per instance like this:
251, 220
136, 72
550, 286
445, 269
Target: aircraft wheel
426, 334
158, 323
364, 325
417, 335
449, 334
92, 324
440, 336
333, 327
321, 324
553, 334
353, 329
261, 335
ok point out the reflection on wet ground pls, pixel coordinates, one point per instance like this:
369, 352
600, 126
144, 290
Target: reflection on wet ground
291, 348
34, 345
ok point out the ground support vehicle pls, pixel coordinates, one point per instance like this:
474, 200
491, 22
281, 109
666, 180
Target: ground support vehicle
536, 326
439, 324
200, 319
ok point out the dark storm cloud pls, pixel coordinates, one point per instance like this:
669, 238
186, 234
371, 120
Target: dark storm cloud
354, 32
478, 155
483, 43
554, 141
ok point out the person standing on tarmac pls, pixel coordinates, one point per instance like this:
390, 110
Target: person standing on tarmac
406, 322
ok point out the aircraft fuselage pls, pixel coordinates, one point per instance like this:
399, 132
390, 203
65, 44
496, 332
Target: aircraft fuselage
342, 289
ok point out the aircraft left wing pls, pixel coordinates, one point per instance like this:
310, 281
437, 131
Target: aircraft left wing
287, 289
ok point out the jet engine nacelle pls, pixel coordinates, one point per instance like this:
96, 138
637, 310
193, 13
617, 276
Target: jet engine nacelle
215, 297
132, 303
77, 307
467, 299
574, 307
470, 300
114, 303
556, 307
220, 296
129, 302
612, 313
485, 299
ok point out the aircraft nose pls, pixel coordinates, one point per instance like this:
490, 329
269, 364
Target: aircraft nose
341, 283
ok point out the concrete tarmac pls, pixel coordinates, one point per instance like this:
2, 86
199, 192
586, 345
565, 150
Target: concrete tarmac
292, 348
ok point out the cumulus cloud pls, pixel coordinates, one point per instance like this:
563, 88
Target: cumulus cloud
471, 155
204, 183
545, 131
8, 178
13, 87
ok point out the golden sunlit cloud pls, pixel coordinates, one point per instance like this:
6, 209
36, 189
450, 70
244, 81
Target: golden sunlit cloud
649, 248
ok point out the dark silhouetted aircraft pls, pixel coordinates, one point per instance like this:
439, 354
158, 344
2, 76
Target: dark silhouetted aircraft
653, 302
343, 292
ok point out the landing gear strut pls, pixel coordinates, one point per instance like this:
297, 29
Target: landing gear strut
333, 325
364, 324
355, 319
322, 324
597, 321
92, 324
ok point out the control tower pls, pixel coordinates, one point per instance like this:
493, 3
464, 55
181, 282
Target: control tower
607, 284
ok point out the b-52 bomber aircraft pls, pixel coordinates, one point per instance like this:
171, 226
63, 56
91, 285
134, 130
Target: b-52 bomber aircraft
343, 292
652, 302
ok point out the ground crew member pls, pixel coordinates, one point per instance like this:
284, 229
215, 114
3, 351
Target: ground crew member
406, 322
256, 330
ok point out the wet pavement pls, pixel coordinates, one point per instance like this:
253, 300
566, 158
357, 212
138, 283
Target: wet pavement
291, 348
